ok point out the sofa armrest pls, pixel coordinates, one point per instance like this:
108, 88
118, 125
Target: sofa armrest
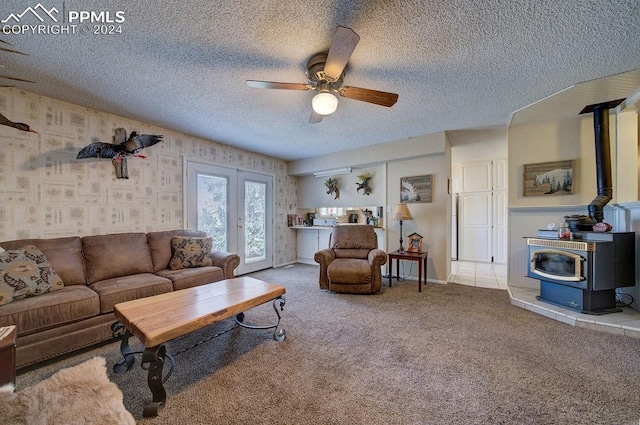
227, 261
377, 257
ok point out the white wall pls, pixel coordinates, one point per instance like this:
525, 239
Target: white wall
430, 220
571, 138
397, 150
312, 191
477, 145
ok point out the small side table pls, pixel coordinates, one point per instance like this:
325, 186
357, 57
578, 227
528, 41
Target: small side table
8, 354
420, 257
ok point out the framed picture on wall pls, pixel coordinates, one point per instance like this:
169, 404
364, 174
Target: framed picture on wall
548, 178
416, 189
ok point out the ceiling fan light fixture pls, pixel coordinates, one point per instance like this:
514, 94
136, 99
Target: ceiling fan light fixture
324, 103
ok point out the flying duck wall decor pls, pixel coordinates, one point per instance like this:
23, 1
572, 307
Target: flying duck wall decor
120, 149
8, 77
19, 125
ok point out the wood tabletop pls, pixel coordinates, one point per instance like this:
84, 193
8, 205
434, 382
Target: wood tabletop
160, 318
407, 254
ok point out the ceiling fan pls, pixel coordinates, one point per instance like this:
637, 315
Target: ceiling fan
325, 72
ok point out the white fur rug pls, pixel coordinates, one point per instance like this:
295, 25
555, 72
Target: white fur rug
77, 395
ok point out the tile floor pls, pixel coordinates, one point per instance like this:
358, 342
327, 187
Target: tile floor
483, 275
487, 275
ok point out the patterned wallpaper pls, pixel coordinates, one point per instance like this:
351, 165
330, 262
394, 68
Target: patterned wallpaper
45, 192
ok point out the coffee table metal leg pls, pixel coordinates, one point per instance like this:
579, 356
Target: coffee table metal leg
278, 334
124, 364
155, 356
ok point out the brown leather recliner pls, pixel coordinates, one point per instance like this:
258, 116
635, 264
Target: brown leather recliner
352, 262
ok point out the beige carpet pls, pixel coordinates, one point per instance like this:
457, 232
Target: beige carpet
449, 355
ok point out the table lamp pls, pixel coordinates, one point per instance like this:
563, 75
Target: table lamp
401, 213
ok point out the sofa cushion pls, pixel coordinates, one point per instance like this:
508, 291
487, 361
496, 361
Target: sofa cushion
160, 245
115, 255
65, 254
190, 252
188, 278
69, 304
25, 273
126, 288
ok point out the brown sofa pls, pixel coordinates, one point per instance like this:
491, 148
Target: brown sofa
99, 272
352, 263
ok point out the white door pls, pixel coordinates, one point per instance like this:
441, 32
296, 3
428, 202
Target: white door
235, 208
499, 211
482, 213
500, 227
475, 226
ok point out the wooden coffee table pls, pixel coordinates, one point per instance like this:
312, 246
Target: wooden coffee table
157, 319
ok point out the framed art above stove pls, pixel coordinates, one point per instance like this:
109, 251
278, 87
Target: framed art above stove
548, 178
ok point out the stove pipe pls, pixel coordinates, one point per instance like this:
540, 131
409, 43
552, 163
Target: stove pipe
603, 157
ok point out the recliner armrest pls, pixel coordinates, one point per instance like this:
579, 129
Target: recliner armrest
324, 257
377, 257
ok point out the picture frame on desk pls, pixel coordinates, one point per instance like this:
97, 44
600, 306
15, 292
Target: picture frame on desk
415, 243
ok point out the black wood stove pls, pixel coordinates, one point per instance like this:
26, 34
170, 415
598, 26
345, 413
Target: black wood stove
584, 272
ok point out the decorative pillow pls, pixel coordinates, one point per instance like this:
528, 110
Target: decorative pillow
25, 273
190, 252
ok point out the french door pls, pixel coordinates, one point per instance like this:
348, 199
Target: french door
235, 208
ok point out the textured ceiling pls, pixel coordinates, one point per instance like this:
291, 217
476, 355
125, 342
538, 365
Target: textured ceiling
456, 65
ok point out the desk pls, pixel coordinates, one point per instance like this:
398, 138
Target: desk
420, 257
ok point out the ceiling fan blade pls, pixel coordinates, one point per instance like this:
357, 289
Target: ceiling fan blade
344, 43
273, 85
15, 79
315, 117
367, 95
12, 51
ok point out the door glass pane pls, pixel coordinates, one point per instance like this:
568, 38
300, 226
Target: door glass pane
255, 195
212, 209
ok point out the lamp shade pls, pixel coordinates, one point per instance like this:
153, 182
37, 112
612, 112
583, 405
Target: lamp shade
324, 103
401, 212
